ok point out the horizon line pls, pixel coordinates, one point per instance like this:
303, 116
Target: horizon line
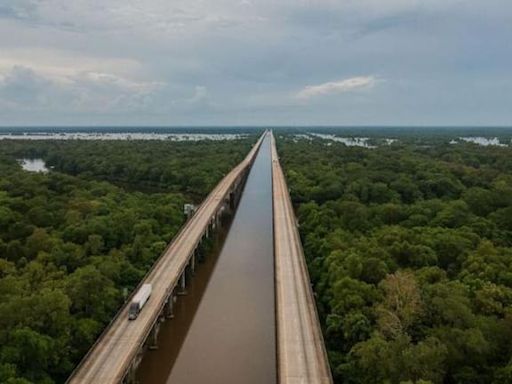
259, 126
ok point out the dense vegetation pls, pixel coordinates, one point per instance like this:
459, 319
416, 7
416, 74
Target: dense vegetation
187, 167
409, 246
73, 246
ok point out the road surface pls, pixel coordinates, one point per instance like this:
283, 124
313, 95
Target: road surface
301, 356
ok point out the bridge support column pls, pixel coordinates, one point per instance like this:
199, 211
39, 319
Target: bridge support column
197, 255
183, 283
131, 375
153, 336
232, 200
193, 263
217, 218
169, 307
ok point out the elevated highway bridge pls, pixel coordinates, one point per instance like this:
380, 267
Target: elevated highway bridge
117, 353
300, 355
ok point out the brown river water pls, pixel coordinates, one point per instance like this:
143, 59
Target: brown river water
224, 328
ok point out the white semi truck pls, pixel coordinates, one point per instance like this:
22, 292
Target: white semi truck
138, 301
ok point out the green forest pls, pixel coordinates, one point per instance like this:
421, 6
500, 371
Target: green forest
409, 246
76, 240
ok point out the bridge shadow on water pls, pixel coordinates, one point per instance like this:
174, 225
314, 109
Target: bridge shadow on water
156, 365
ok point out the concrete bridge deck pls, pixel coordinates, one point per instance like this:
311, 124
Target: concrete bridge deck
301, 355
116, 354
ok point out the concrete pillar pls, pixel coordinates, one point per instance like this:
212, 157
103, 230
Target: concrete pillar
193, 263
130, 377
197, 255
131, 374
169, 307
153, 336
217, 217
200, 254
183, 283
232, 200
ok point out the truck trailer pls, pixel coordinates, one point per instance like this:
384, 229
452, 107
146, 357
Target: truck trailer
138, 301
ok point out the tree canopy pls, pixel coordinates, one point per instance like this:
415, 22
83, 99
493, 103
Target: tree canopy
409, 246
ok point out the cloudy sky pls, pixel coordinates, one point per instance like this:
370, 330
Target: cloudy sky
255, 62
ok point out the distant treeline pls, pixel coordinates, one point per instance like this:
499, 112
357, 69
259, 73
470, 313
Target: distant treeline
159, 130
409, 247
188, 167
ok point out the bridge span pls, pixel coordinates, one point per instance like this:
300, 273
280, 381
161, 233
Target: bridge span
118, 351
301, 355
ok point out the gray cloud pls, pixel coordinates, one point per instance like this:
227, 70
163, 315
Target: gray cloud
236, 62
20, 10
22, 89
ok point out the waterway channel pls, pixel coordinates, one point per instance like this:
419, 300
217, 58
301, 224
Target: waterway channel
224, 328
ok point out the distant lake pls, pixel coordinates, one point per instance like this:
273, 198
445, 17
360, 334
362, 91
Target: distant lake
348, 141
33, 165
485, 141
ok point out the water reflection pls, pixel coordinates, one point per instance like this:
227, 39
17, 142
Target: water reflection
485, 141
348, 141
33, 165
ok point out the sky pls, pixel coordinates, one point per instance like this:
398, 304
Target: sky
255, 62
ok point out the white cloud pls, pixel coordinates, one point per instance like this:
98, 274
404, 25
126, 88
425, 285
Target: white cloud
334, 87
